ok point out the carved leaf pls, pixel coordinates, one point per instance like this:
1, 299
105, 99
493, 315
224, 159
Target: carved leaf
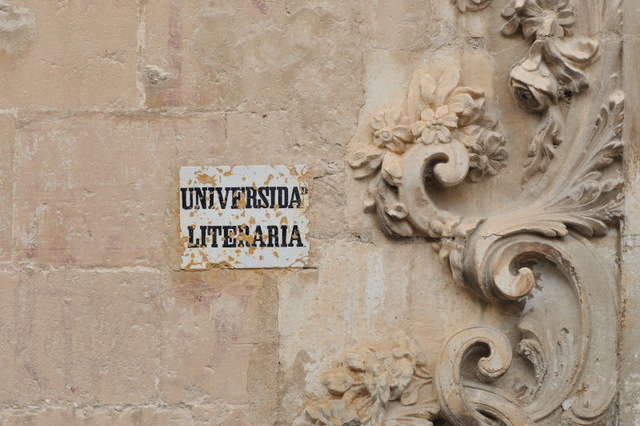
589, 199
447, 82
366, 161
543, 146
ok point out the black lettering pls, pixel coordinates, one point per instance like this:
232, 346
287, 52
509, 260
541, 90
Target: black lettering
258, 236
251, 197
221, 199
214, 231
263, 192
236, 194
296, 201
203, 236
284, 229
272, 191
273, 236
283, 197
212, 198
192, 242
295, 235
229, 234
185, 205
243, 236
201, 198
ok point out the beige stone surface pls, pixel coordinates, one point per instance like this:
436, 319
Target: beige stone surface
106, 186
102, 102
83, 57
7, 138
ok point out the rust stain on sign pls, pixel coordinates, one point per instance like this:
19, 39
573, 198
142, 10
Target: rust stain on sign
243, 217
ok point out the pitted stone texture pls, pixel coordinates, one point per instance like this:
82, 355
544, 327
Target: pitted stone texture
362, 294
248, 54
220, 330
82, 57
96, 191
79, 337
126, 415
7, 139
150, 337
116, 416
630, 251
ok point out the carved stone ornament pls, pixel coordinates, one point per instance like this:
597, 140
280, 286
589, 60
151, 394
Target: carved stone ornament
441, 135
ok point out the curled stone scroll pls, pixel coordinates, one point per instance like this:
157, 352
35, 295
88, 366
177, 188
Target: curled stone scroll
442, 135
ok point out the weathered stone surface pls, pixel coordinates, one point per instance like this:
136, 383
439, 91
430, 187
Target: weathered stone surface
230, 311
630, 244
82, 337
149, 336
380, 291
106, 188
7, 142
103, 102
83, 57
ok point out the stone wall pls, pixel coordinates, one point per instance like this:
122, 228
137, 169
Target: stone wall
103, 101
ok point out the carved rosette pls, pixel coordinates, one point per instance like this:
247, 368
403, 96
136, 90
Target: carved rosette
441, 135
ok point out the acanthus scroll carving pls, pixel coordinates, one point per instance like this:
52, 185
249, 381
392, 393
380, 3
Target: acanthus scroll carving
441, 135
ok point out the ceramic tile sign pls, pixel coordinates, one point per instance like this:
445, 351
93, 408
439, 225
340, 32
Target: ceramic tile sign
244, 217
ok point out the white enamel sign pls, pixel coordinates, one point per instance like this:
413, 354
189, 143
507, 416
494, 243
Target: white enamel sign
244, 217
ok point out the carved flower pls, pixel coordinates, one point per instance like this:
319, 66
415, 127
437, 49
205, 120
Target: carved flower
532, 82
553, 61
390, 140
389, 133
435, 126
488, 156
446, 108
364, 388
539, 18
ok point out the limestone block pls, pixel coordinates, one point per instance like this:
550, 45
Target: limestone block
82, 57
219, 331
116, 416
107, 187
255, 55
630, 346
7, 138
248, 134
79, 337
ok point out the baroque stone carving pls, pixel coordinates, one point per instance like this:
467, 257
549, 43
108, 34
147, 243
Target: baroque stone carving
441, 135
391, 387
550, 70
16, 27
471, 5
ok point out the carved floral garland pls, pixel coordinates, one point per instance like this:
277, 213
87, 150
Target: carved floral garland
438, 116
441, 135
550, 70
